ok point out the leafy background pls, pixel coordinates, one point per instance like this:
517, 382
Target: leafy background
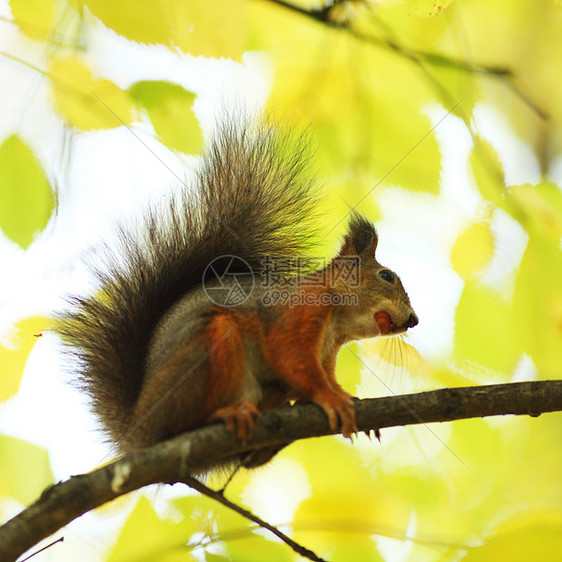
439, 119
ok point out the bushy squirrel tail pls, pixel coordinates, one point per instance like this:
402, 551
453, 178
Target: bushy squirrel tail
251, 197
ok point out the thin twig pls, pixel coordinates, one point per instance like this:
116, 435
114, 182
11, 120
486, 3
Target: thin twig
218, 496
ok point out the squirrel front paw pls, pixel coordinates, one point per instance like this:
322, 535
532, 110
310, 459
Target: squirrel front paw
239, 418
338, 406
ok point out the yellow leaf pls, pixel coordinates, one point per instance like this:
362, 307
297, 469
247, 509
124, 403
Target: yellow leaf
24, 469
34, 17
256, 548
345, 497
14, 356
503, 33
87, 103
533, 483
426, 8
443, 376
454, 87
359, 194
467, 482
542, 204
488, 172
532, 535
348, 367
473, 249
213, 519
537, 304
360, 101
352, 547
145, 536
429, 496
196, 27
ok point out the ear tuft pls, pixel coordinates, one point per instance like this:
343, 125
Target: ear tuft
361, 234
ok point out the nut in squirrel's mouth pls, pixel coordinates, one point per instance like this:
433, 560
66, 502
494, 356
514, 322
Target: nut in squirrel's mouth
384, 322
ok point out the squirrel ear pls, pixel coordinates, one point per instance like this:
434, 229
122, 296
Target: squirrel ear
361, 236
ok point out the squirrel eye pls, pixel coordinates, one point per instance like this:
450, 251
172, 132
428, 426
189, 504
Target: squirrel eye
386, 275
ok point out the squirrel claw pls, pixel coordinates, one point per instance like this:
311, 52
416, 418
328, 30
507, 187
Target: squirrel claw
239, 418
338, 406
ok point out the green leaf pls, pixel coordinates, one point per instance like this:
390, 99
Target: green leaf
26, 198
485, 331
170, 109
461, 89
25, 470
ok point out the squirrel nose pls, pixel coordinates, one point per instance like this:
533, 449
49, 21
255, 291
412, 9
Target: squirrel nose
412, 321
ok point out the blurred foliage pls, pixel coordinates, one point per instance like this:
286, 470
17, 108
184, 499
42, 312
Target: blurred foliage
169, 108
24, 470
25, 209
363, 72
87, 103
14, 352
145, 536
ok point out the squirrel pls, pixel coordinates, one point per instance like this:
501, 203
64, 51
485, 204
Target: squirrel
159, 354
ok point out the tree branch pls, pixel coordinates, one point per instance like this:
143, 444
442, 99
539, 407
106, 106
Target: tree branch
199, 450
323, 16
